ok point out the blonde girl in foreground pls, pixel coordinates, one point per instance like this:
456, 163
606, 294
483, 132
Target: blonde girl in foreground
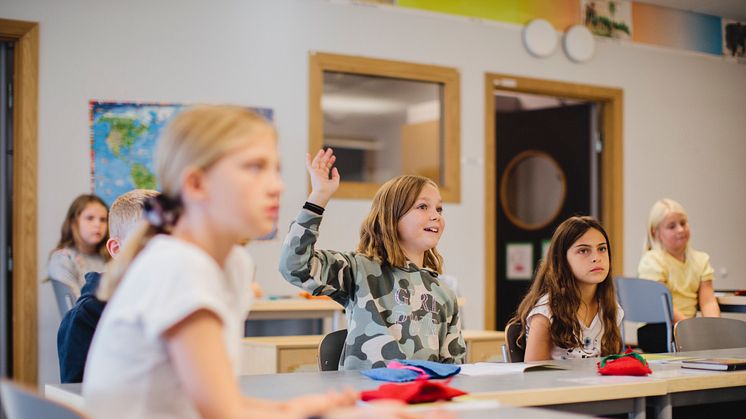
167, 343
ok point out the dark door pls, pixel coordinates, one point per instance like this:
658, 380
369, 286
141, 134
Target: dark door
545, 175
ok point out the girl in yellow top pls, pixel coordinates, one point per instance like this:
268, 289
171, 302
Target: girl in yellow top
670, 259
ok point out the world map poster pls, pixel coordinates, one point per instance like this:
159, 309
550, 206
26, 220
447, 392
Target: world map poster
124, 136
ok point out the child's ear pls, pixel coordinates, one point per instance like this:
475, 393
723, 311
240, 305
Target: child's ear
654, 233
113, 246
193, 185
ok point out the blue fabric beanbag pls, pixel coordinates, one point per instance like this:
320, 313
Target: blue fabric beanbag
409, 370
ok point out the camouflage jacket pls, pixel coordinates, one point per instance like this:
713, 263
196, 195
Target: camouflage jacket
392, 313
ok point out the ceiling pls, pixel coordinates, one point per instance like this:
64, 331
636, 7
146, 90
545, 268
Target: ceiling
729, 9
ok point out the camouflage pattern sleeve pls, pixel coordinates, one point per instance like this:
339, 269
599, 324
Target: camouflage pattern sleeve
319, 272
453, 347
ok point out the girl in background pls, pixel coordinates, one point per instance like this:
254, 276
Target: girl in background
82, 245
686, 272
397, 307
670, 259
571, 311
168, 341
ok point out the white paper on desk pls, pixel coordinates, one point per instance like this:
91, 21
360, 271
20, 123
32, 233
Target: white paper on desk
499, 368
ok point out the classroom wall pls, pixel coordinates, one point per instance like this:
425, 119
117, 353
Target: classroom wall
684, 122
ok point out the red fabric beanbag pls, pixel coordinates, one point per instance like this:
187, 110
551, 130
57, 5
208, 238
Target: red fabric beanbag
629, 363
419, 391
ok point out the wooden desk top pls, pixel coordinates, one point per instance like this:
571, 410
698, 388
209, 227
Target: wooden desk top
302, 304
295, 304
303, 341
731, 299
578, 384
686, 379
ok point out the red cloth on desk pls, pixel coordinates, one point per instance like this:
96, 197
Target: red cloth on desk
418, 391
629, 363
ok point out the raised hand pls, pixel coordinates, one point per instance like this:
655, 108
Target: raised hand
323, 186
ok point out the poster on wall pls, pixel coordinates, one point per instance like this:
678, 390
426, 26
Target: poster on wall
519, 259
612, 19
123, 138
734, 39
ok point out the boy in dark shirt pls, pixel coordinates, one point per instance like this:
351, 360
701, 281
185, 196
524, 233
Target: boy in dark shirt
78, 325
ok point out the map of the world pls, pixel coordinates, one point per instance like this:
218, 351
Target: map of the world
123, 141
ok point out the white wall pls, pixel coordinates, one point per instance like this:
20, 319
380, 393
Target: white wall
684, 123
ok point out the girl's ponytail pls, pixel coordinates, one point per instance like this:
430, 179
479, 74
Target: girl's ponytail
160, 216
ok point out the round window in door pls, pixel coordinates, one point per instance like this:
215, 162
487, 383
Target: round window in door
532, 190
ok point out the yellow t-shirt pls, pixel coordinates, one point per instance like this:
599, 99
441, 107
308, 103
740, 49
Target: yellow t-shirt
681, 278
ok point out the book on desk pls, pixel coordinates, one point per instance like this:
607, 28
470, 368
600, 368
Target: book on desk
717, 364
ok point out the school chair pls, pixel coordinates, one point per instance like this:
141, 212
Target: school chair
512, 352
646, 301
21, 403
330, 350
64, 294
704, 333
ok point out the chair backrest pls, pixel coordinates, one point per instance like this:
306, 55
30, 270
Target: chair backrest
514, 352
705, 333
330, 350
20, 403
646, 301
64, 295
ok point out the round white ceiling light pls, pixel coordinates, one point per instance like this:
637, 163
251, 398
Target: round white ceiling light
579, 43
540, 38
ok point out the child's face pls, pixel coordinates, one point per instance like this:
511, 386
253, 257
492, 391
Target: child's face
421, 227
673, 233
92, 224
589, 257
243, 189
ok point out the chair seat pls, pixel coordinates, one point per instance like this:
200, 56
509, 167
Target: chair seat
21, 403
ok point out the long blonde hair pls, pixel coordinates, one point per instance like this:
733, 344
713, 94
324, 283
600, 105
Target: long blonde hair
660, 210
379, 235
196, 138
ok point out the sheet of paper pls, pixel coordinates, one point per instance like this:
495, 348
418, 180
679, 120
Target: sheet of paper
499, 368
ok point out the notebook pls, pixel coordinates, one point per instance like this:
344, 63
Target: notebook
718, 364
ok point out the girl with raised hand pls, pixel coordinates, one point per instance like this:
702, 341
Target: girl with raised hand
397, 307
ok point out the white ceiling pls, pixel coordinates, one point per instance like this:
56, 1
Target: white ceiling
729, 9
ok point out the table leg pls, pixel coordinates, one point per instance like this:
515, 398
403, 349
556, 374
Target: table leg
638, 411
662, 407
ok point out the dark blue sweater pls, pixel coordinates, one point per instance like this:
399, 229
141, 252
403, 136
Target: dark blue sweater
76, 331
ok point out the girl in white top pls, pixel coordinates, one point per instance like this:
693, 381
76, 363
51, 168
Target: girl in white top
671, 260
571, 311
82, 245
167, 342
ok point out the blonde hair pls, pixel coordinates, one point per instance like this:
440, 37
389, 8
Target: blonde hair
660, 210
379, 234
126, 211
196, 138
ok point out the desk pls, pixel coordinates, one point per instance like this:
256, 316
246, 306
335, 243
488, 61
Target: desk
577, 389
273, 354
298, 308
302, 308
730, 303
70, 394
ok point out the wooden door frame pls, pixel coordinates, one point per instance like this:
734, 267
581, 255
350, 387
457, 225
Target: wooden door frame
612, 182
25, 36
